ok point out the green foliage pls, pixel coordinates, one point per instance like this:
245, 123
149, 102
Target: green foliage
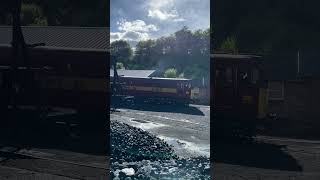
120, 65
196, 72
31, 14
122, 51
267, 26
229, 45
146, 54
62, 13
181, 50
188, 52
170, 73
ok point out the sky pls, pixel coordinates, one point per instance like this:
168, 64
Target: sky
135, 20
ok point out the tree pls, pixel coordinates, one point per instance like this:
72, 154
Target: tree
170, 73
31, 14
121, 50
186, 51
267, 26
74, 12
146, 54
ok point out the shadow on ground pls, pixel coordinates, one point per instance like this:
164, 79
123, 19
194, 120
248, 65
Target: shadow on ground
148, 106
255, 154
25, 131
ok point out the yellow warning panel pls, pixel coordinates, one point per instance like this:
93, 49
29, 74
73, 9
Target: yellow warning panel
247, 100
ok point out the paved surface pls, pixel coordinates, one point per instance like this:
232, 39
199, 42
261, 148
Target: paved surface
53, 152
186, 128
34, 163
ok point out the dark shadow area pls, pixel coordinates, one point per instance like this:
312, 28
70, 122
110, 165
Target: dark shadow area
157, 107
255, 154
288, 128
24, 130
233, 142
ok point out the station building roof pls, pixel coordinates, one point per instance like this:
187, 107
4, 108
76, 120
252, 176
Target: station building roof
79, 38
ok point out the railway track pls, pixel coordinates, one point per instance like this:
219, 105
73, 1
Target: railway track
52, 163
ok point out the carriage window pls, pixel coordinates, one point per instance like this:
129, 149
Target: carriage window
229, 74
244, 75
220, 75
255, 76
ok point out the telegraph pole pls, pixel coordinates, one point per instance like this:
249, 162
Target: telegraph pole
17, 45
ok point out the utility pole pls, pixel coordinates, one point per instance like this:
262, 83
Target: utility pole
20, 56
18, 44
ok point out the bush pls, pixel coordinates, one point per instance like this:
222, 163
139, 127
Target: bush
230, 45
120, 65
170, 73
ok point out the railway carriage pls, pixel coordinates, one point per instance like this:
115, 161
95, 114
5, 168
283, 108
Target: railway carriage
68, 78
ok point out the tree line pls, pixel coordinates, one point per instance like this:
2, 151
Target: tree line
185, 53
58, 12
265, 26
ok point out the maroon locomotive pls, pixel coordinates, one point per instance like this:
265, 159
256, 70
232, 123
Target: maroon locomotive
174, 90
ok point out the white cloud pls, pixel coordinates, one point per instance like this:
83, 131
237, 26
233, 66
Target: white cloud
164, 10
137, 25
115, 36
132, 31
162, 15
135, 36
129, 36
179, 20
156, 4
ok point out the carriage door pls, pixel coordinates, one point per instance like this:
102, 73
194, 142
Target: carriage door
224, 86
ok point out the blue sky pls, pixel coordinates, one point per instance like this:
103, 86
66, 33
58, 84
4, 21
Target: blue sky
135, 20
